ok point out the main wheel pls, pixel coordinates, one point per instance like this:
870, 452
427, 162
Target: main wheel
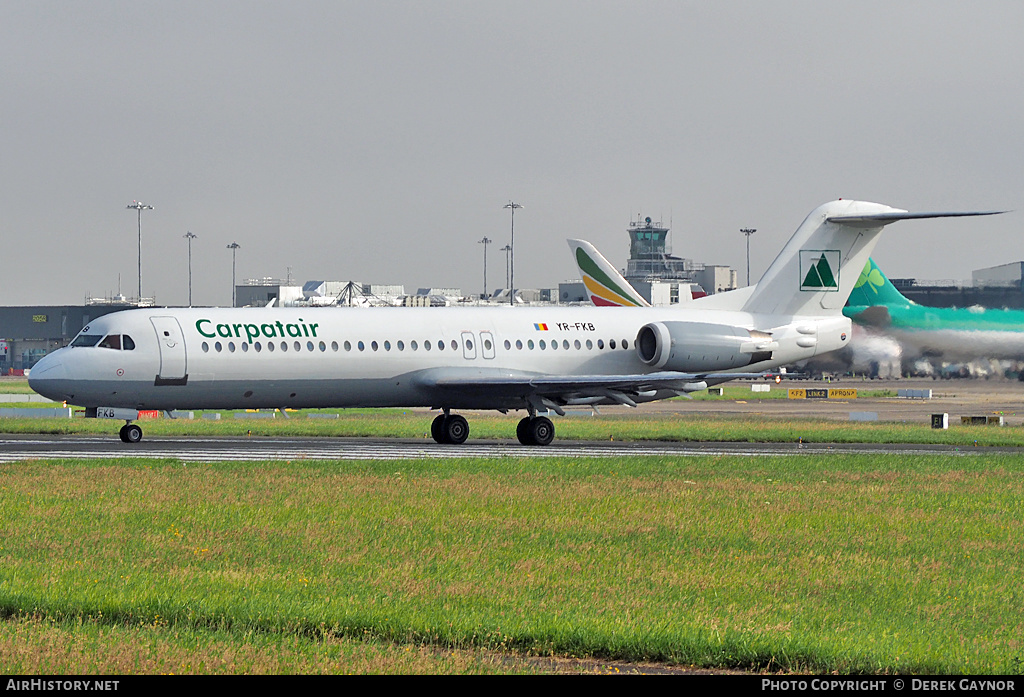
536, 431
131, 433
523, 431
456, 429
542, 431
437, 429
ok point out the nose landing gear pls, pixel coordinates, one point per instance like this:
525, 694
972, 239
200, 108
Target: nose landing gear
131, 433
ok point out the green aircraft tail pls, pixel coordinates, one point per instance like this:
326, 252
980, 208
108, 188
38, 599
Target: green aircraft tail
873, 288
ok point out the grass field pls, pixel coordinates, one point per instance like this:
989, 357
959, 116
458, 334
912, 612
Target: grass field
15, 385
853, 564
397, 423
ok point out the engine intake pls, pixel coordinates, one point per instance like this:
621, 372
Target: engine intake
694, 347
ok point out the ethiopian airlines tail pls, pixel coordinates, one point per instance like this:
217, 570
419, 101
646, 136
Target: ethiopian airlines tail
604, 283
816, 271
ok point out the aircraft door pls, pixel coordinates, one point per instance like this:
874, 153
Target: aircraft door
486, 345
171, 341
468, 346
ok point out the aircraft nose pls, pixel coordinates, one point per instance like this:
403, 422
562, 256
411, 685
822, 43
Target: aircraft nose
47, 375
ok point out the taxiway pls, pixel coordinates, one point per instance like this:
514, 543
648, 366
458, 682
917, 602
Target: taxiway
190, 449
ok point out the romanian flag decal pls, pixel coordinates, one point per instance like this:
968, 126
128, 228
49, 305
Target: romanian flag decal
541, 327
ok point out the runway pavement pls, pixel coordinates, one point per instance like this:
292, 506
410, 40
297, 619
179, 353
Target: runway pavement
955, 397
188, 449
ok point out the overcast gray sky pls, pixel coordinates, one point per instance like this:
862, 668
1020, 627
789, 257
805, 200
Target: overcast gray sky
379, 140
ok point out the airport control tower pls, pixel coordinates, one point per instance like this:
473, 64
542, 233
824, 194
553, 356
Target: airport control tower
649, 254
658, 275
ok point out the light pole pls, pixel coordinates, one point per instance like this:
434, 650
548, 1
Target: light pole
512, 253
748, 232
485, 241
139, 206
190, 236
507, 249
234, 246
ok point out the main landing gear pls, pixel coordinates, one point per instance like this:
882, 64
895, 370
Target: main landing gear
450, 428
454, 429
131, 433
535, 430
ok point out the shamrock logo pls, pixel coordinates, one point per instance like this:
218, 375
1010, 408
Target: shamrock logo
872, 276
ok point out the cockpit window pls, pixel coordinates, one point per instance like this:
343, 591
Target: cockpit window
86, 339
116, 342
112, 341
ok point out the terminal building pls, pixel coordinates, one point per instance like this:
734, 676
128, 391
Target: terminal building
29, 333
993, 287
263, 292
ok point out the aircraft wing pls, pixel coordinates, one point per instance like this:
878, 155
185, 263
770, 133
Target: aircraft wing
555, 391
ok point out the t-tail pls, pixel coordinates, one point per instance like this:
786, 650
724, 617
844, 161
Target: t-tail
605, 285
817, 270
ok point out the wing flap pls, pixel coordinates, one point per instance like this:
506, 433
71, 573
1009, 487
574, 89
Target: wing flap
622, 389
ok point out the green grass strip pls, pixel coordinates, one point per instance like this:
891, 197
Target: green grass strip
846, 563
671, 427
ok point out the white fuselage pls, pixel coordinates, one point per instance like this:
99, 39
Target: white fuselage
224, 358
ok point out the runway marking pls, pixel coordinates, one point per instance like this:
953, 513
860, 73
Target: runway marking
214, 450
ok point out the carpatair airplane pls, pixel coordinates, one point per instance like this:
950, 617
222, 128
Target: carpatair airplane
952, 334
537, 359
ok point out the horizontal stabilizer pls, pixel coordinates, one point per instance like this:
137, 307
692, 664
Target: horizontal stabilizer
873, 219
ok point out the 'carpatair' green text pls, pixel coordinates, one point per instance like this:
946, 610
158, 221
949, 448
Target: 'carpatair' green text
269, 330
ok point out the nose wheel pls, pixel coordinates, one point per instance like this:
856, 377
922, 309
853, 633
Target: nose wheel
131, 433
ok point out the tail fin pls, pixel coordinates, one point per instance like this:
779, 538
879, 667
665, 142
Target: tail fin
605, 285
816, 271
873, 288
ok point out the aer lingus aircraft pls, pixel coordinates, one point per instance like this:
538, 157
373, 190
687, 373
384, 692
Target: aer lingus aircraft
538, 359
946, 333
